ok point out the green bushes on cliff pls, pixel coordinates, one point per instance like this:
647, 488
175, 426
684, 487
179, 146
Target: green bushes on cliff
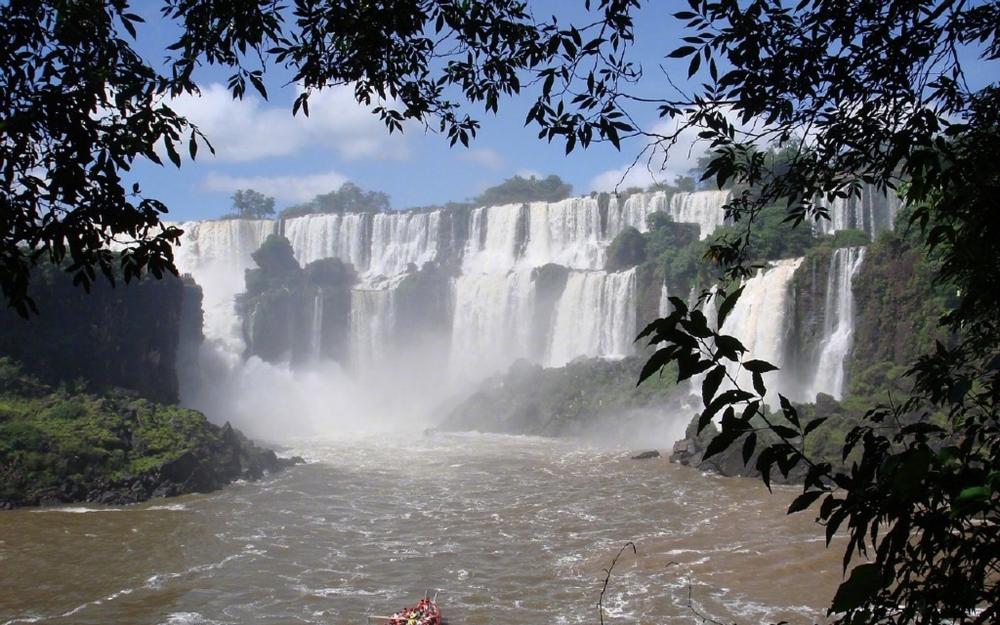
60, 447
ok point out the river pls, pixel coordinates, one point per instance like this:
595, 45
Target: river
506, 529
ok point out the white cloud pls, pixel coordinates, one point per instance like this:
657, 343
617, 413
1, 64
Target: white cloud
287, 188
251, 129
483, 156
622, 178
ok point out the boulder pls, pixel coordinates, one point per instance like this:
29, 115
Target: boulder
646, 455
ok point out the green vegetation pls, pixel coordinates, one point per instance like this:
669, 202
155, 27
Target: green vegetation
250, 204
627, 250
349, 198
58, 447
517, 189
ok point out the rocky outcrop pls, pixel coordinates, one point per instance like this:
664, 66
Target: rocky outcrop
585, 395
647, 455
114, 449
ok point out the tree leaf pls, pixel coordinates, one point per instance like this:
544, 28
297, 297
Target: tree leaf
711, 384
863, 584
727, 305
804, 500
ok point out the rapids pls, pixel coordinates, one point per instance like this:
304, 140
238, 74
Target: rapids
508, 529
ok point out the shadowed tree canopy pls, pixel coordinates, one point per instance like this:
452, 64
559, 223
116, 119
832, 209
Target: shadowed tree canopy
79, 107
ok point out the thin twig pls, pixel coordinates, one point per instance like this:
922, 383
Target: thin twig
607, 577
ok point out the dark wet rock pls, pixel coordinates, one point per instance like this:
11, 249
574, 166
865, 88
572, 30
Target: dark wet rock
646, 455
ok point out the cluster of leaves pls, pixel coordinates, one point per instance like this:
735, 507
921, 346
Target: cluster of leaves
80, 106
349, 198
865, 93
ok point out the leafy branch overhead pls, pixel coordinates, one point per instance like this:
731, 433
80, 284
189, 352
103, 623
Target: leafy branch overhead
853, 94
80, 107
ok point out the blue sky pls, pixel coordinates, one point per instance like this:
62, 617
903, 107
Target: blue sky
260, 145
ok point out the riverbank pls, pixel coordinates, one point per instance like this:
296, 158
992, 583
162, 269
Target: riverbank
59, 447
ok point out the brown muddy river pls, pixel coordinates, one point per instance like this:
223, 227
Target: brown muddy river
506, 529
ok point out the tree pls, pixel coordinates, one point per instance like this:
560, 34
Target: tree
517, 189
853, 94
250, 204
80, 106
349, 198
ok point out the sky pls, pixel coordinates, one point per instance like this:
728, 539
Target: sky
260, 145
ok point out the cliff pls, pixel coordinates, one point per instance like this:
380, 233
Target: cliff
128, 336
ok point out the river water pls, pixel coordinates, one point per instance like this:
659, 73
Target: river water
507, 529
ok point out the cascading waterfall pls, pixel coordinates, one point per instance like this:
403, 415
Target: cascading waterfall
496, 300
758, 320
566, 233
633, 211
399, 239
316, 336
872, 212
342, 236
664, 307
491, 326
373, 321
838, 324
595, 317
218, 253
703, 208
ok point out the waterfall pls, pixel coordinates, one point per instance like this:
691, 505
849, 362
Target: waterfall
838, 324
316, 336
492, 322
485, 300
566, 233
872, 211
343, 236
758, 319
697, 207
632, 212
373, 321
493, 239
399, 239
702, 207
664, 307
595, 317
218, 253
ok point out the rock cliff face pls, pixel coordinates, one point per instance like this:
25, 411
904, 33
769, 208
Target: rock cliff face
128, 336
